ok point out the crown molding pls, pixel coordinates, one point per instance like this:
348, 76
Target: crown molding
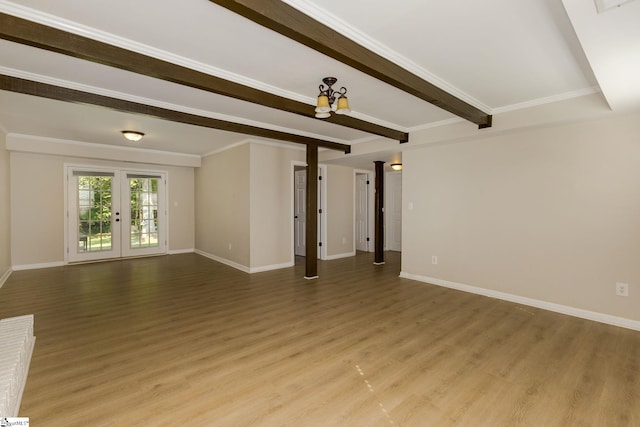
377, 121
547, 100
439, 123
64, 147
226, 148
296, 147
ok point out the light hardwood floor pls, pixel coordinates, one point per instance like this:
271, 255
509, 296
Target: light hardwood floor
183, 340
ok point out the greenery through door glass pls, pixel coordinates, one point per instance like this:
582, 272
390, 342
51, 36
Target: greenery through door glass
94, 213
144, 212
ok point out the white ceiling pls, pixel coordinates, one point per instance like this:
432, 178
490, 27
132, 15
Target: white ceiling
497, 55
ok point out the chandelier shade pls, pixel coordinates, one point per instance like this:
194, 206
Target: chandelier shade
323, 104
343, 105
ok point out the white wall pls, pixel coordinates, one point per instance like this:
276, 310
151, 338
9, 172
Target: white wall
222, 206
271, 205
244, 202
551, 214
393, 211
37, 206
339, 211
5, 218
181, 208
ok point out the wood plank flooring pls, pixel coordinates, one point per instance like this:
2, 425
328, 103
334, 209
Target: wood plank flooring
183, 340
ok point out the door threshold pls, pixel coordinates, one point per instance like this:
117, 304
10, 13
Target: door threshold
92, 261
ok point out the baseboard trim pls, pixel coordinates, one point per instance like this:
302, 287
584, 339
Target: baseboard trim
558, 308
38, 266
181, 251
5, 276
241, 267
338, 256
270, 267
224, 261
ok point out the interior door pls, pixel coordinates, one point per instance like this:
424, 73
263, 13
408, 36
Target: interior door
362, 212
115, 213
300, 212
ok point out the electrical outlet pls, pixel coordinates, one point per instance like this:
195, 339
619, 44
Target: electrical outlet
622, 289
434, 259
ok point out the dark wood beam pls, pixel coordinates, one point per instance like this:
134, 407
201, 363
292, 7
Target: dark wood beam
311, 233
41, 36
290, 22
379, 214
44, 90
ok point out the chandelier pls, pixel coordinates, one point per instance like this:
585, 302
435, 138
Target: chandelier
327, 99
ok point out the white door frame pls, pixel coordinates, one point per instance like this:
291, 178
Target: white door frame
322, 203
68, 171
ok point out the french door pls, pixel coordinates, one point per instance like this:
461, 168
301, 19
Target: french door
115, 213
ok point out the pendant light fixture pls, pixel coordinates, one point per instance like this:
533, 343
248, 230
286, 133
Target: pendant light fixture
330, 100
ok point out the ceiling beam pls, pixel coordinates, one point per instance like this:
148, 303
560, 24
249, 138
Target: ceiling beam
44, 90
41, 36
290, 22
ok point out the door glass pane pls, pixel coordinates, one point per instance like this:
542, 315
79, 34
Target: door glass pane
144, 212
94, 213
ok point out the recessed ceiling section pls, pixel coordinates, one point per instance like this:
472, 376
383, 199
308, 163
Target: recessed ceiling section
30, 115
497, 55
611, 43
223, 43
158, 65
318, 35
89, 76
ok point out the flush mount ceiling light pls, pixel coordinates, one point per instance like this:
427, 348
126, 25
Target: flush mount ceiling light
327, 98
396, 166
133, 135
